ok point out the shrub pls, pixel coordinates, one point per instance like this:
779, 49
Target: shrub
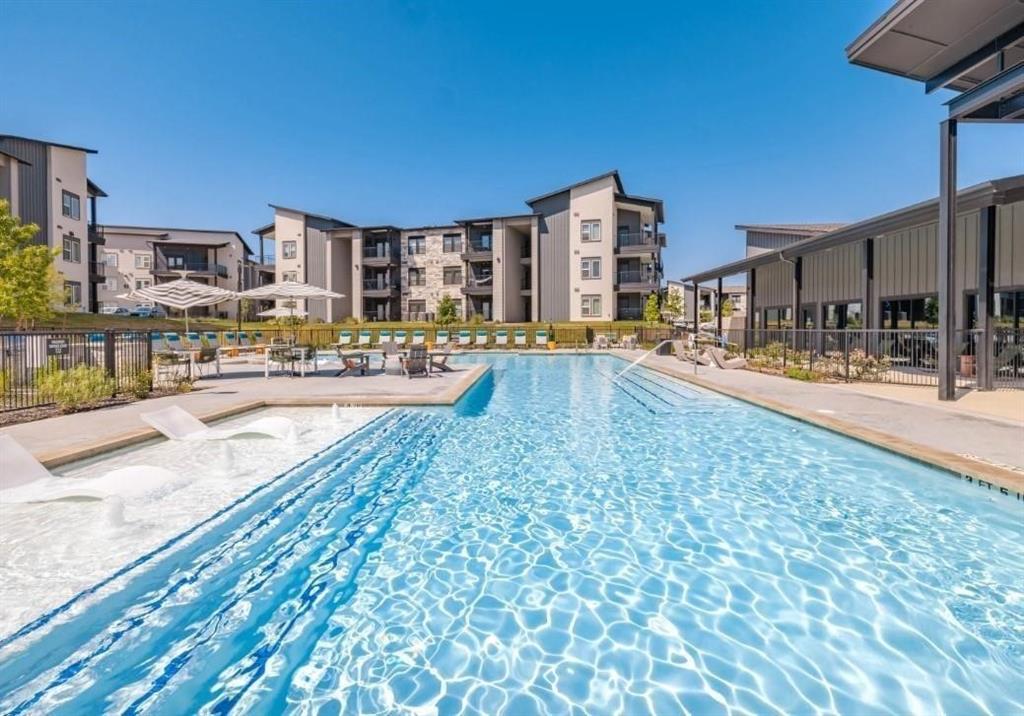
802, 374
76, 388
140, 384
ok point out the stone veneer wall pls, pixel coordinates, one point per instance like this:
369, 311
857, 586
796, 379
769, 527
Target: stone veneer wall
435, 260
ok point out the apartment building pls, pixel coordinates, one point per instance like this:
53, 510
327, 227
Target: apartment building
141, 256
588, 251
47, 184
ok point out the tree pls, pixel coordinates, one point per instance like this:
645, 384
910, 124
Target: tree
727, 307
446, 311
28, 280
652, 312
673, 306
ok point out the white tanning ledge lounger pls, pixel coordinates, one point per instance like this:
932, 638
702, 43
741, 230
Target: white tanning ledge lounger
176, 423
23, 480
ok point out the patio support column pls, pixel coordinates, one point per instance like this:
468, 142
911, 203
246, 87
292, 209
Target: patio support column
986, 297
696, 307
867, 278
751, 290
946, 259
798, 278
718, 307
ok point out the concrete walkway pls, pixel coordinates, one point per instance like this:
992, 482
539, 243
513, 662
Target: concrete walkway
985, 448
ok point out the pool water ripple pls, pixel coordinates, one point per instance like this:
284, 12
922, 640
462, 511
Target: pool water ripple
562, 543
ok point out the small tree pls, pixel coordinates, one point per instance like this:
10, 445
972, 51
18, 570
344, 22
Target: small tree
446, 311
652, 312
727, 307
27, 277
672, 308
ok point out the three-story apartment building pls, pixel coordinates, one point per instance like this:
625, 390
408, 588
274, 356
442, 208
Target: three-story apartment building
588, 251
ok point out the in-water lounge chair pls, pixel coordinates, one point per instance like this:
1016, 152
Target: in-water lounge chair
540, 339
520, 337
176, 423
364, 338
501, 337
464, 338
23, 480
344, 339
419, 338
481, 339
442, 338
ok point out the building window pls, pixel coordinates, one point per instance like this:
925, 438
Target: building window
73, 292
590, 268
72, 249
110, 259
143, 283
110, 284
590, 306
590, 230
417, 277
452, 276
290, 276
417, 310
778, 317
808, 317
143, 261
417, 245
922, 312
289, 249
71, 205
840, 316
452, 243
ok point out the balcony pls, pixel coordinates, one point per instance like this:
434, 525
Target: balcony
525, 287
97, 271
380, 254
478, 251
629, 313
640, 242
478, 286
637, 280
170, 265
379, 287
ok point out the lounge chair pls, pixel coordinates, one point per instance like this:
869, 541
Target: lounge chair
686, 353
416, 362
601, 342
718, 358
173, 341
540, 339
401, 338
419, 338
156, 342
24, 480
176, 423
442, 338
230, 340
481, 339
364, 338
195, 341
441, 363
344, 339
520, 337
464, 338
212, 340
501, 337
383, 337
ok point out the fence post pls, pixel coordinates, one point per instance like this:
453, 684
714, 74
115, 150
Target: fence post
846, 351
784, 356
110, 357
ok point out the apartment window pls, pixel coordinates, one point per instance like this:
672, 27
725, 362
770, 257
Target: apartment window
590, 306
72, 249
417, 245
417, 277
590, 268
452, 243
417, 309
110, 259
73, 292
110, 284
920, 312
590, 230
452, 276
143, 283
1008, 309
71, 205
841, 315
778, 317
143, 261
290, 276
289, 249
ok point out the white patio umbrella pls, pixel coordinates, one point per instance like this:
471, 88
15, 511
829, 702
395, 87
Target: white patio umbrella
281, 312
290, 291
182, 294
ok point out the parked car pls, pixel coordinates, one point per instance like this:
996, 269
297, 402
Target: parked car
115, 311
148, 312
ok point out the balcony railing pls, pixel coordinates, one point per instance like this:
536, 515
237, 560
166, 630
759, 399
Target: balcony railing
638, 239
98, 268
630, 313
479, 281
379, 251
524, 283
637, 276
380, 283
164, 264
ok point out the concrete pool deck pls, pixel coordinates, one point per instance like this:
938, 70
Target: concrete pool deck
66, 438
987, 450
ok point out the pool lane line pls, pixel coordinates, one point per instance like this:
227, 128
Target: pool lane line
48, 616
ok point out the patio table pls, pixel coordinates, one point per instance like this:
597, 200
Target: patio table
298, 353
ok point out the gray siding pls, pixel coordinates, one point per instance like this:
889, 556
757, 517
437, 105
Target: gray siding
774, 285
554, 258
758, 242
833, 276
1010, 245
316, 269
32, 185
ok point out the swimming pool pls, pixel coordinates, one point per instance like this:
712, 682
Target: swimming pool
561, 543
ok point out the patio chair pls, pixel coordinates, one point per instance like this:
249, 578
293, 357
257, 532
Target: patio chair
465, 337
202, 359
24, 480
416, 362
601, 342
281, 356
540, 339
520, 337
441, 363
176, 423
364, 339
382, 338
419, 338
442, 338
718, 358
344, 339
481, 339
401, 338
501, 337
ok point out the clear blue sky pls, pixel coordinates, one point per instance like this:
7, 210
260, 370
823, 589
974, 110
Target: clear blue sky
422, 112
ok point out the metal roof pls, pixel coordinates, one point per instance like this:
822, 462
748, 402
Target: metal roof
996, 191
15, 157
944, 43
50, 144
263, 230
485, 219
93, 188
162, 232
613, 173
797, 229
341, 224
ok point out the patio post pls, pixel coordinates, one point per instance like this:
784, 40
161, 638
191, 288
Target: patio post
696, 307
986, 298
946, 258
718, 307
798, 277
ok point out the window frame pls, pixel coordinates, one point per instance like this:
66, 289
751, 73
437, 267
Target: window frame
143, 283
110, 258
76, 249
294, 276
587, 233
70, 289
144, 261
418, 242
294, 249
587, 303
448, 270
587, 265
70, 205
910, 298
449, 240
421, 276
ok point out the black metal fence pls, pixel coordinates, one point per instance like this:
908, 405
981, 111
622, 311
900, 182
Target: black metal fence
902, 356
24, 357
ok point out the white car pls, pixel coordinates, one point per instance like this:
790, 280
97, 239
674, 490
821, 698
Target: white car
115, 311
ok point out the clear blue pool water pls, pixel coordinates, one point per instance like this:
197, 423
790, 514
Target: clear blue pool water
559, 544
